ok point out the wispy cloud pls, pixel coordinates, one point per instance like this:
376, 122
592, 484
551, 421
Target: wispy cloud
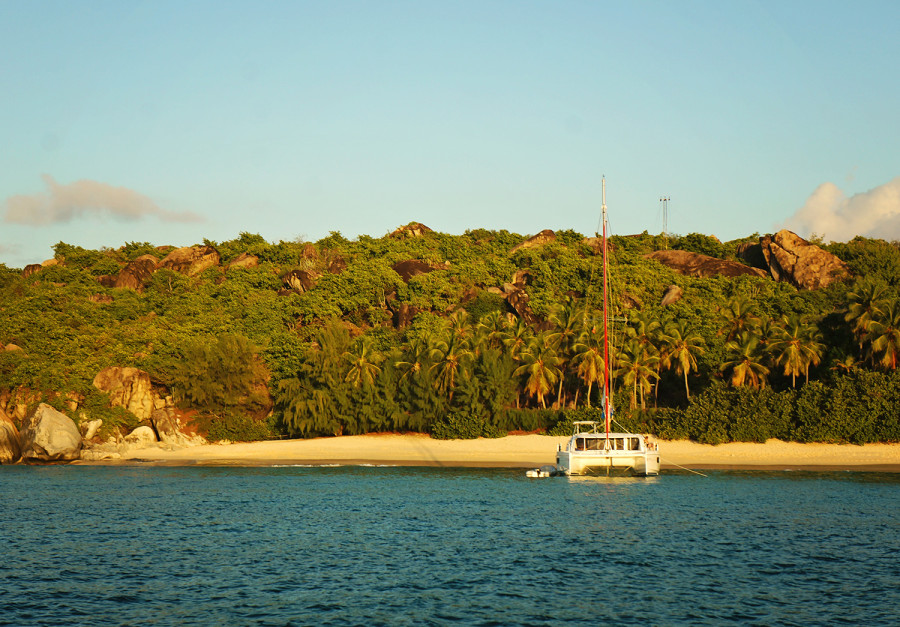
64, 203
828, 212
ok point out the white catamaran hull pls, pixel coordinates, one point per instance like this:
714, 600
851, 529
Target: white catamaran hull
643, 464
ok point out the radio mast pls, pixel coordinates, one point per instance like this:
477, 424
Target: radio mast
665, 213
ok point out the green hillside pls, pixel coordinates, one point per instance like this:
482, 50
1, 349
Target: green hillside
460, 336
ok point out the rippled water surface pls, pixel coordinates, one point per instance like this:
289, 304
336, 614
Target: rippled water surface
408, 546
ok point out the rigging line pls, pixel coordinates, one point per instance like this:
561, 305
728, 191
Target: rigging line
682, 467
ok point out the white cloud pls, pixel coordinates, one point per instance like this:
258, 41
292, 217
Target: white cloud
828, 212
63, 203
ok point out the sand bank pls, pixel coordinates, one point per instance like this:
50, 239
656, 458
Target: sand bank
517, 451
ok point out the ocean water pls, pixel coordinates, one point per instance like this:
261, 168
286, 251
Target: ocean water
92, 545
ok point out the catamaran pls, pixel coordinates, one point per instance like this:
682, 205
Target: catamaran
591, 450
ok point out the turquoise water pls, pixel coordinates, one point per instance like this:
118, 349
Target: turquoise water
89, 545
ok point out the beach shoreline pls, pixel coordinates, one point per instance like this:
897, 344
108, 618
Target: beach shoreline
514, 451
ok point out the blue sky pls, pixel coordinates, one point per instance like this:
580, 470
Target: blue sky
171, 122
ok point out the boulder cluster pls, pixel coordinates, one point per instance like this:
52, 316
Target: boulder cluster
48, 435
784, 256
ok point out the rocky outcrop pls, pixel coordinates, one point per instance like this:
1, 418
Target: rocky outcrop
129, 388
791, 258
673, 295
141, 437
410, 268
90, 428
48, 435
403, 315
544, 237
191, 260
518, 298
10, 445
300, 280
164, 424
413, 229
30, 269
243, 260
695, 264
136, 275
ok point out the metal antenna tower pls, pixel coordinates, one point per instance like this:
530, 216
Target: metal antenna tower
665, 212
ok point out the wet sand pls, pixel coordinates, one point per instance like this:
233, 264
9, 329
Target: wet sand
515, 451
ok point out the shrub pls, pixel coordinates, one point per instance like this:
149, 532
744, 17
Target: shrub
237, 428
464, 425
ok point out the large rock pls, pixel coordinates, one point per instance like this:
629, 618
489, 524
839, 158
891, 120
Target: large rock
243, 260
137, 273
544, 237
31, 268
792, 259
673, 295
404, 314
413, 229
141, 437
410, 268
51, 436
300, 280
165, 424
10, 445
127, 387
90, 428
191, 260
695, 264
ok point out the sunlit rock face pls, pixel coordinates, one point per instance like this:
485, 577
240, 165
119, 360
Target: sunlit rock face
695, 264
49, 435
191, 260
792, 259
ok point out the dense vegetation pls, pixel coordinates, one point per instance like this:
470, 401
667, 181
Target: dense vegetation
734, 359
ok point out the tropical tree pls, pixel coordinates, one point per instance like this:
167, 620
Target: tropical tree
865, 303
638, 369
681, 346
567, 321
363, 362
884, 335
451, 355
796, 346
588, 361
746, 365
490, 328
540, 367
516, 337
737, 317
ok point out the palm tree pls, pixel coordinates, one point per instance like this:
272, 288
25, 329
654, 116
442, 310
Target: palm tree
567, 321
415, 356
363, 363
738, 316
645, 329
638, 369
796, 347
516, 337
884, 335
588, 361
451, 355
489, 330
540, 366
681, 349
865, 303
746, 367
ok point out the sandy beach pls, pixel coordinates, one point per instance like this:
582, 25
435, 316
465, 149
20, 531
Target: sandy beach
515, 451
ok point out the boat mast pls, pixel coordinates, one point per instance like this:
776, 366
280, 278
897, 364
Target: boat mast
606, 382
